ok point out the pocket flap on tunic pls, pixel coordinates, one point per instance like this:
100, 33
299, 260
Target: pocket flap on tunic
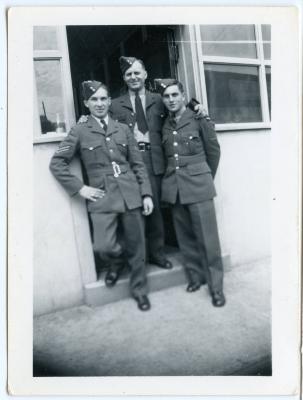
196, 169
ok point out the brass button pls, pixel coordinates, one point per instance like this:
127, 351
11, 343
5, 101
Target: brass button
177, 167
130, 124
108, 139
176, 155
111, 150
175, 132
175, 144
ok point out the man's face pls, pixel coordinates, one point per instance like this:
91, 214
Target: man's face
135, 76
173, 99
98, 103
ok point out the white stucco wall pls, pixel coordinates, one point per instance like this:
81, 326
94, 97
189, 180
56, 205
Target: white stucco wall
243, 201
57, 273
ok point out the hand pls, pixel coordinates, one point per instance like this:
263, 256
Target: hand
148, 205
200, 110
91, 193
82, 119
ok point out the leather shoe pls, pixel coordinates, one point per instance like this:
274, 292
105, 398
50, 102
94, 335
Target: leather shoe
218, 298
143, 302
111, 278
193, 287
163, 263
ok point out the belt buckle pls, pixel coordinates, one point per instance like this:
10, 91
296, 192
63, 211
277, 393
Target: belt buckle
141, 146
117, 170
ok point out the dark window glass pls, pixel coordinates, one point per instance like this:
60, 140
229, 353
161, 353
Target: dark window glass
268, 83
233, 93
50, 95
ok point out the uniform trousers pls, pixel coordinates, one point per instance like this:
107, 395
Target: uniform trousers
198, 239
154, 226
106, 243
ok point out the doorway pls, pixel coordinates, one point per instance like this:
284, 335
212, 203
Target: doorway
94, 53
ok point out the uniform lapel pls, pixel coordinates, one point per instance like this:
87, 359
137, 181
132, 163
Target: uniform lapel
112, 126
185, 119
149, 99
125, 101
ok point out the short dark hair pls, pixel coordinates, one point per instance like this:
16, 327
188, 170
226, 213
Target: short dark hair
175, 83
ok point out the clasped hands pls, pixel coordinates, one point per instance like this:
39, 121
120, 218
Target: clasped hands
93, 194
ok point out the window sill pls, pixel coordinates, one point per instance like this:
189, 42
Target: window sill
50, 137
242, 126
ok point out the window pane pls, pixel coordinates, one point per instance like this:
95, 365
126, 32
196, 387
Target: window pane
227, 32
266, 32
45, 38
233, 93
50, 98
268, 83
242, 50
267, 51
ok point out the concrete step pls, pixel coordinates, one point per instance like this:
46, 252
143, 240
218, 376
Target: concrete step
97, 294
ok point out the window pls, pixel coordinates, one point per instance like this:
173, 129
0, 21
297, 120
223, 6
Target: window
52, 80
234, 66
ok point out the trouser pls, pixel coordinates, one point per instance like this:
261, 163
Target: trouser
154, 226
198, 239
109, 249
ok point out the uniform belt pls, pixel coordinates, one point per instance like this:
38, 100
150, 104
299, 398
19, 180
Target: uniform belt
114, 170
183, 161
143, 146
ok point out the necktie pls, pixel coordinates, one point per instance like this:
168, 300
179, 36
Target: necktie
140, 116
103, 124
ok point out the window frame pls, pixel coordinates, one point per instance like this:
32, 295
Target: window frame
62, 55
199, 59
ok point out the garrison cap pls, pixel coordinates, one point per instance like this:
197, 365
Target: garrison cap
162, 84
89, 88
126, 62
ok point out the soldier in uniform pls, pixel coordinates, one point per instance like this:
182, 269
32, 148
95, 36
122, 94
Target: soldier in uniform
192, 152
118, 186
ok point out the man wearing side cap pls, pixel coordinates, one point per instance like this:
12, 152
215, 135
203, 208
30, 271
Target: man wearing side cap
192, 152
118, 186
144, 113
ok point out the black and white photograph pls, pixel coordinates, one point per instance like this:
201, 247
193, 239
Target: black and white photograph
153, 198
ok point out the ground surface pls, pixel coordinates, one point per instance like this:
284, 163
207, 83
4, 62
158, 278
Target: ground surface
183, 334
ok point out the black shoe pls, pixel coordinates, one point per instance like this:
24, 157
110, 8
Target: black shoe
142, 302
218, 298
193, 287
111, 278
162, 263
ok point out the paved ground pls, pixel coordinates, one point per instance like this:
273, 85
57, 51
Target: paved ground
183, 334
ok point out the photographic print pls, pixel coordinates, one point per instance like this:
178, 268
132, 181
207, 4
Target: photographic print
153, 199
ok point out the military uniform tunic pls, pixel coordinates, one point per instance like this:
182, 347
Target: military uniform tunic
113, 163
122, 110
192, 153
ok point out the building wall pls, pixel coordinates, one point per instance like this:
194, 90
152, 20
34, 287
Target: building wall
243, 201
58, 276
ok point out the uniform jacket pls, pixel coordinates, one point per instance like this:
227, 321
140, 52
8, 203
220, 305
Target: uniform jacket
98, 151
122, 111
192, 153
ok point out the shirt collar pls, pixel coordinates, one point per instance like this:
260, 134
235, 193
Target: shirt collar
99, 119
141, 92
